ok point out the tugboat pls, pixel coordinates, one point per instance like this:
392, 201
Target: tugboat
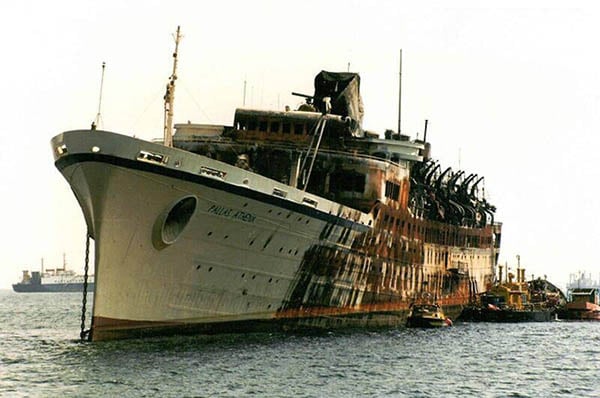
584, 305
584, 298
427, 316
516, 300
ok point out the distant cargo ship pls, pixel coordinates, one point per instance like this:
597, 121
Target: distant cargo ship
52, 281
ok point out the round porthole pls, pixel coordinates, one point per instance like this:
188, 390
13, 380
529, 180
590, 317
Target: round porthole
171, 223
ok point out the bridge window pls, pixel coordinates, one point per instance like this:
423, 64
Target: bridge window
262, 125
274, 127
252, 125
298, 128
392, 190
347, 181
286, 128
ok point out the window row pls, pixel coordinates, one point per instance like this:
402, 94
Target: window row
273, 126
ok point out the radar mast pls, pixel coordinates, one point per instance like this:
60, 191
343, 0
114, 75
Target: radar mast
170, 97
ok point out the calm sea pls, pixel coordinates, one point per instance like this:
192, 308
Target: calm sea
41, 356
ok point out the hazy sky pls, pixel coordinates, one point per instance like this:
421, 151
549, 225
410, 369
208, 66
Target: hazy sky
511, 91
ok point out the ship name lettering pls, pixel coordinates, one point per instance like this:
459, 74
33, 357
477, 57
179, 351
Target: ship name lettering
244, 216
220, 210
231, 213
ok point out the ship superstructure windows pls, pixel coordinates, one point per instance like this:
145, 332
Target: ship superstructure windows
151, 157
310, 202
347, 181
249, 121
280, 193
392, 190
289, 126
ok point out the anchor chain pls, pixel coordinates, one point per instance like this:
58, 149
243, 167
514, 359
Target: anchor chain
85, 334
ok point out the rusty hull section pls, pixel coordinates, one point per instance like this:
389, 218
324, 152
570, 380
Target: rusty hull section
383, 271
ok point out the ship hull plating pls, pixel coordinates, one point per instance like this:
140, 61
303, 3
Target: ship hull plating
180, 251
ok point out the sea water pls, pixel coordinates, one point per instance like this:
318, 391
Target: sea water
40, 355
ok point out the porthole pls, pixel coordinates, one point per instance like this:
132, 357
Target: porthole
172, 222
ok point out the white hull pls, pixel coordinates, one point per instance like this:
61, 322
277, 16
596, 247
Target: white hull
237, 257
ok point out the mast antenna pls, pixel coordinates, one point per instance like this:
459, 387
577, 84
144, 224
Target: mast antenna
400, 94
170, 96
96, 122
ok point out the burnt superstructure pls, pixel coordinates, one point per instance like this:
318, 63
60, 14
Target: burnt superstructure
441, 237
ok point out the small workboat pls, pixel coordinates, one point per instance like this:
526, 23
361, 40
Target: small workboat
584, 305
427, 316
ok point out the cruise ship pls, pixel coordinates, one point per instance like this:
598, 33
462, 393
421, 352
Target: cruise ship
282, 220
